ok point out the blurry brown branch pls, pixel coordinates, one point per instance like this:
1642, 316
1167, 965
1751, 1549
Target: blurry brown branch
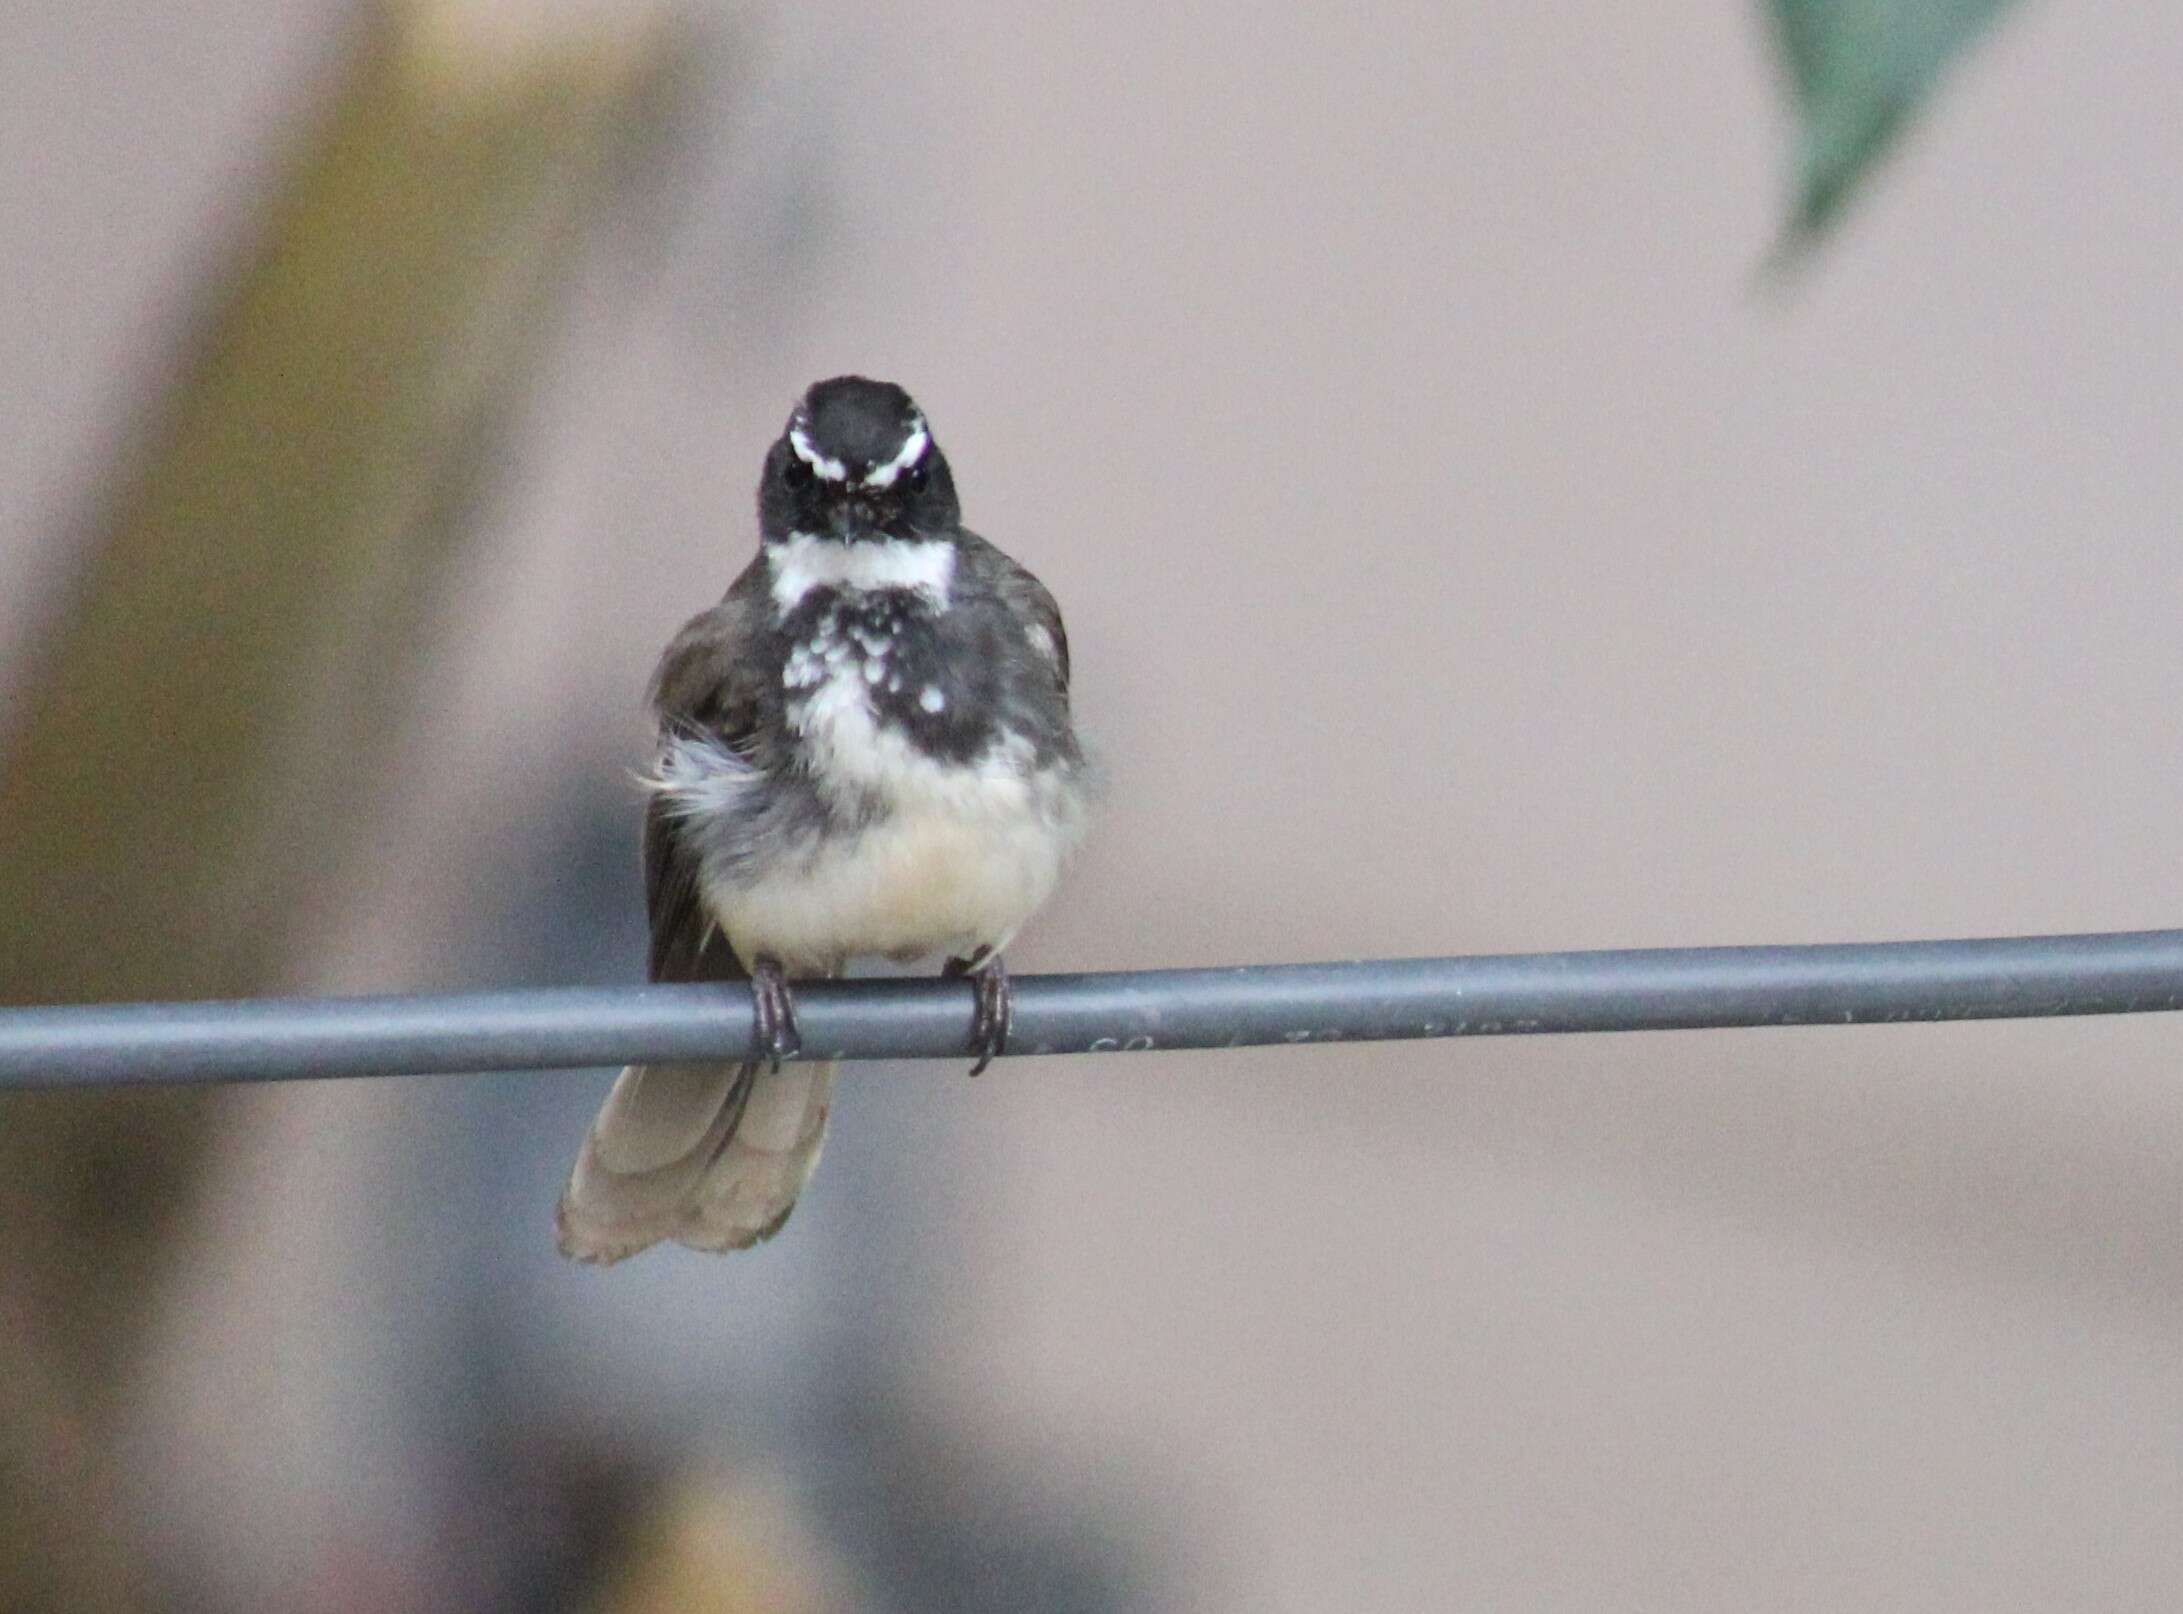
195, 744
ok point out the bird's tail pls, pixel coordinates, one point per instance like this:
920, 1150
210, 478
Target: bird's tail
712, 1155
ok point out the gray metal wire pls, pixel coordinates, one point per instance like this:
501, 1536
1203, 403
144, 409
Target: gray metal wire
276, 1039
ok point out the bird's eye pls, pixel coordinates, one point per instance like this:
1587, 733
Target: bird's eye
917, 478
796, 473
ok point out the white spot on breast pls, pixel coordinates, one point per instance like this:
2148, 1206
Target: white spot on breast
874, 670
855, 755
931, 698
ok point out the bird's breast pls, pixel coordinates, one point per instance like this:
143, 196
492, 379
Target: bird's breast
942, 827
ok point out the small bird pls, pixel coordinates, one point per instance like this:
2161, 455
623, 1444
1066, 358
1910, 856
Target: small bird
864, 749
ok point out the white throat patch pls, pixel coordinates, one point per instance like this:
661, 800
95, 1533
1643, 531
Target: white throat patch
805, 561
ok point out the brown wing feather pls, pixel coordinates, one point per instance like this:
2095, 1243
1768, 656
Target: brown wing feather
686, 944
700, 687
1027, 597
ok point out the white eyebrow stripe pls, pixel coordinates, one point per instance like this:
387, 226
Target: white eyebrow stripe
826, 470
882, 476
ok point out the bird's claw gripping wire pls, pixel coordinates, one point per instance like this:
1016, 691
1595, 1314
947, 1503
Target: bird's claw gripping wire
994, 1009
774, 1036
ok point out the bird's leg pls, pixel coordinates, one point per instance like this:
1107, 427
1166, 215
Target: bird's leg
995, 1011
774, 1036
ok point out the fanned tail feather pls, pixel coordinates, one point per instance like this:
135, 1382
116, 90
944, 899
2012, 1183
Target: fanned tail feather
710, 1155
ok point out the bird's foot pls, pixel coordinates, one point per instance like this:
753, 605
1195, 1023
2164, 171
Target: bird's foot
774, 1035
995, 1011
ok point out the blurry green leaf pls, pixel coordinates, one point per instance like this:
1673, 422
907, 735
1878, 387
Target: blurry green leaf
1860, 69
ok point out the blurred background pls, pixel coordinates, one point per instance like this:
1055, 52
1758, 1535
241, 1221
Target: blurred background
1466, 546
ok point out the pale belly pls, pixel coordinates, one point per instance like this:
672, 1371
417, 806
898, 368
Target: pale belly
919, 882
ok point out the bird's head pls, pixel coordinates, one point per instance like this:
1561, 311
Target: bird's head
856, 463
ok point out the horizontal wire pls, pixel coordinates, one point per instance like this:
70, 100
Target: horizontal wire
276, 1039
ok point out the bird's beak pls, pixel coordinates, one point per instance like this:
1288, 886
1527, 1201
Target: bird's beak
854, 518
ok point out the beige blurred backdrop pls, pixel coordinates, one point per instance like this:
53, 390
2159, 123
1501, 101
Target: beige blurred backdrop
1463, 548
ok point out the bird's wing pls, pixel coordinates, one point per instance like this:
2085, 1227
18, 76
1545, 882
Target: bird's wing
703, 691
1029, 601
